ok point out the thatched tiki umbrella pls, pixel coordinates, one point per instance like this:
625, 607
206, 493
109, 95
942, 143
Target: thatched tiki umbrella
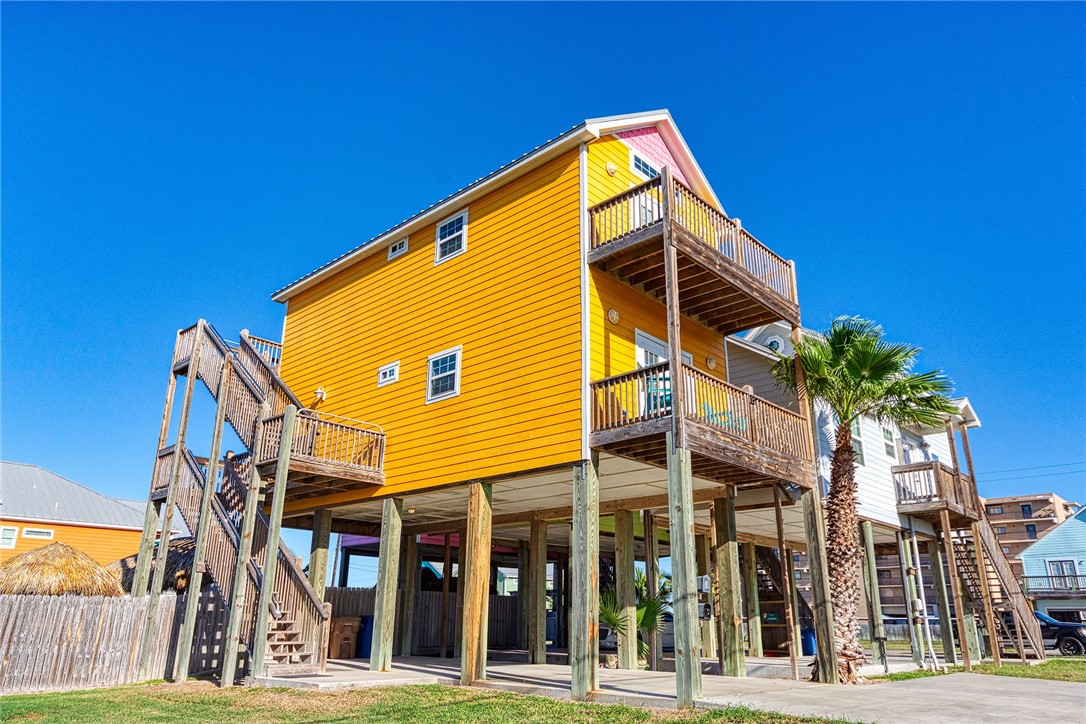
179, 558
55, 570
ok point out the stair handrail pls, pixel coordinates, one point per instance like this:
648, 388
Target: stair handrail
1010, 584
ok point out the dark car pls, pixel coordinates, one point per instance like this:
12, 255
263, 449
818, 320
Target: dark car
1067, 638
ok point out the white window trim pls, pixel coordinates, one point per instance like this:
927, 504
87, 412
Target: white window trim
438, 259
458, 350
644, 342
394, 249
27, 533
395, 367
14, 538
633, 167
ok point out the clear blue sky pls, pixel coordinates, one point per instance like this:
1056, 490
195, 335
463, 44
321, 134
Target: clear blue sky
922, 163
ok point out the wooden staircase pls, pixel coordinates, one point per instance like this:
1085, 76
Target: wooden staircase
335, 449
1017, 628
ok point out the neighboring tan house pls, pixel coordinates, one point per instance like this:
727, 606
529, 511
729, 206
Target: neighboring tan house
40, 507
906, 478
544, 347
1019, 520
1055, 570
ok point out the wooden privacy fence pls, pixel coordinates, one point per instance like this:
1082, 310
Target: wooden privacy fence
501, 623
79, 642
898, 631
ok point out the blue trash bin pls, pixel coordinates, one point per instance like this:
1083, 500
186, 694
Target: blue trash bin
365, 638
807, 642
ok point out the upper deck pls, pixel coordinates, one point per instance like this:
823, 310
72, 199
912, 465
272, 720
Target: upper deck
927, 488
727, 279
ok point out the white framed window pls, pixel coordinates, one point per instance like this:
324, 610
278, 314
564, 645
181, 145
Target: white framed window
651, 350
397, 248
888, 442
8, 534
388, 374
443, 375
642, 167
775, 343
451, 238
39, 533
857, 442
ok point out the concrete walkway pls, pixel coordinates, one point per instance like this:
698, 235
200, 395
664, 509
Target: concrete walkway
954, 698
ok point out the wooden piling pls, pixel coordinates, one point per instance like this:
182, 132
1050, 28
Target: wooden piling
318, 550
624, 588
683, 575
476, 594
537, 593
729, 607
814, 528
584, 634
385, 594
942, 598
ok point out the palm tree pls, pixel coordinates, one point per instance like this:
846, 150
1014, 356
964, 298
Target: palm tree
854, 371
651, 607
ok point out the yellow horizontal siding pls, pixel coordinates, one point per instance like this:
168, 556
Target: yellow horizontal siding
104, 545
512, 300
613, 347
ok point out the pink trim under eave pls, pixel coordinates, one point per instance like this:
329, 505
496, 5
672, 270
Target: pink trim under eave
647, 141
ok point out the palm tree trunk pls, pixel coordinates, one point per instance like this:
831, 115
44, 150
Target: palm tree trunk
844, 556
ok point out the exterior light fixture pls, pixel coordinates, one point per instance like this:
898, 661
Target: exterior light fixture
410, 511
612, 316
320, 394
611, 169
710, 363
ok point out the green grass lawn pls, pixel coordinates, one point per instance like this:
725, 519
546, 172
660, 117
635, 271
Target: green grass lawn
205, 702
1054, 670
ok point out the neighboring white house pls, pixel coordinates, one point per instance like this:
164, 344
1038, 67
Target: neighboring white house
1055, 570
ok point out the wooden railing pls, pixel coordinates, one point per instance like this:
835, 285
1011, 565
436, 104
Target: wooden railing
270, 351
630, 211
1009, 583
1053, 584
642, 207
326, 439
744, 415
645, 394
933, 482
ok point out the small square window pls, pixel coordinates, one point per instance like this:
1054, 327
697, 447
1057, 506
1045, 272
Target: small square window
388, 374
443, 375
995, 509
451, 238
7, 536
398, 248
888, 443
1006, 550
39, 533
643, 167
1001, 530
858, 448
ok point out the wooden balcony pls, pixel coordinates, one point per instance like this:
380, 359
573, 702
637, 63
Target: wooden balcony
727, 279
734, 436
925, 489
1054, 586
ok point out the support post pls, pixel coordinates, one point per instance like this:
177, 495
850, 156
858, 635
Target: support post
753, 605
461, 576
203, 523
384, 598
624, 588
815, 530
797, 633
476, 586
446, 576
151, 512
874, 598
242, 581
344, 565
942, 598
318, 550
584, 584
161, 552
814, 527
523, 575
787, 586
652, 580
908, 589
271, 555
729, 607
537, 592
412, 579
680, 498
955, 585
994, 643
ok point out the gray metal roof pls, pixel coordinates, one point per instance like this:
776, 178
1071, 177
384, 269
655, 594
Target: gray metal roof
178, 525
30, 491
